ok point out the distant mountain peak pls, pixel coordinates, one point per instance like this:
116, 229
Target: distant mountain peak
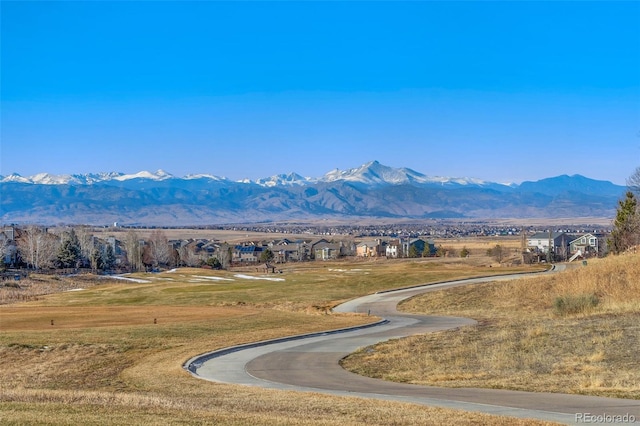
158, 175
375, 173
15, 177
288, 179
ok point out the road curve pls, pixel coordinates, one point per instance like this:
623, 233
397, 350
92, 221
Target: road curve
311, 363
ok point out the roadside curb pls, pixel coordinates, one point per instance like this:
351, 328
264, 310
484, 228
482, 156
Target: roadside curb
196, 362
553, 267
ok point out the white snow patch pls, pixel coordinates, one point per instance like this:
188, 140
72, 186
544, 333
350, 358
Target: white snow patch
213, 278
249, 277
76, 289
135, 280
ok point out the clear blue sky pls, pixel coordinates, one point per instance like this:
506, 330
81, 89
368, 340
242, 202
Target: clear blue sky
502, 91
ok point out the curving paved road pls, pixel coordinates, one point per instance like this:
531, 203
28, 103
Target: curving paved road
311, 363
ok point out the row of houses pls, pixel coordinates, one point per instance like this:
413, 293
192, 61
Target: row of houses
402, 247
566, 246
303, 250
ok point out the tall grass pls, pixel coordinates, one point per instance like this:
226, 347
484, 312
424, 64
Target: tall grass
573, 332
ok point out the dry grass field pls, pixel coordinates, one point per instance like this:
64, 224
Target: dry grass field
111, 351
573, 332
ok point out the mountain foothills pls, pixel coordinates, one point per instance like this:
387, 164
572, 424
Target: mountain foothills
370, 191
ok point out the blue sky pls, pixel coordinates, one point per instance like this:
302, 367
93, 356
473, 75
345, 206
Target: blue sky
501, 91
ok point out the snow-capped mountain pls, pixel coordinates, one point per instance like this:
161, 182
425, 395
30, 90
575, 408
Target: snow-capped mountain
374, 173
158, 175
50, 179
371, 190
284, 180
370, 174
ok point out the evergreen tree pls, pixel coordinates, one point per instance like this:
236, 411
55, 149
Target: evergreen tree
96, 259
626, 231
214, 263
109, 258
266, 256
69, 254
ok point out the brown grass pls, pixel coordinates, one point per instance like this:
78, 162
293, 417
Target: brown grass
521, 341
104, 361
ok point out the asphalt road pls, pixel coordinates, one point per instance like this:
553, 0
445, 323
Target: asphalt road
311, 363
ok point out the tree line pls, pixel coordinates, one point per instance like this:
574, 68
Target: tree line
35, 247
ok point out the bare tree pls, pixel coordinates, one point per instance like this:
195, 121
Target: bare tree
86, 240
497, 252
633, 182
159, 248
38, 247
133, 248
224, 255
188, 256
5, 242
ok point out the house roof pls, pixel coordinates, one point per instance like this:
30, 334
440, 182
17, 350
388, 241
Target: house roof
324, 245
370, 243
545, 235
589, 235
248, 249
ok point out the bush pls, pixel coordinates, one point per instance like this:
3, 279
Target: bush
568, 304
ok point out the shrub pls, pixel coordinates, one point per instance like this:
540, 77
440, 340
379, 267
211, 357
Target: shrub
570, 304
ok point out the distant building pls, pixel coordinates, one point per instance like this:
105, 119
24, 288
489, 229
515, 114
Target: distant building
588, 244
324, 250
558, 241
372, 248
392, 249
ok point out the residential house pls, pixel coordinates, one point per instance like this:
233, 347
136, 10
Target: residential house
540, 242
324, 250
393, 249
246, 254
587, 244
418, 245
304, 250
284, 252
372, 248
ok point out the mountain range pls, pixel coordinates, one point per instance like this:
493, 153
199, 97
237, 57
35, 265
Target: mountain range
372, 190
